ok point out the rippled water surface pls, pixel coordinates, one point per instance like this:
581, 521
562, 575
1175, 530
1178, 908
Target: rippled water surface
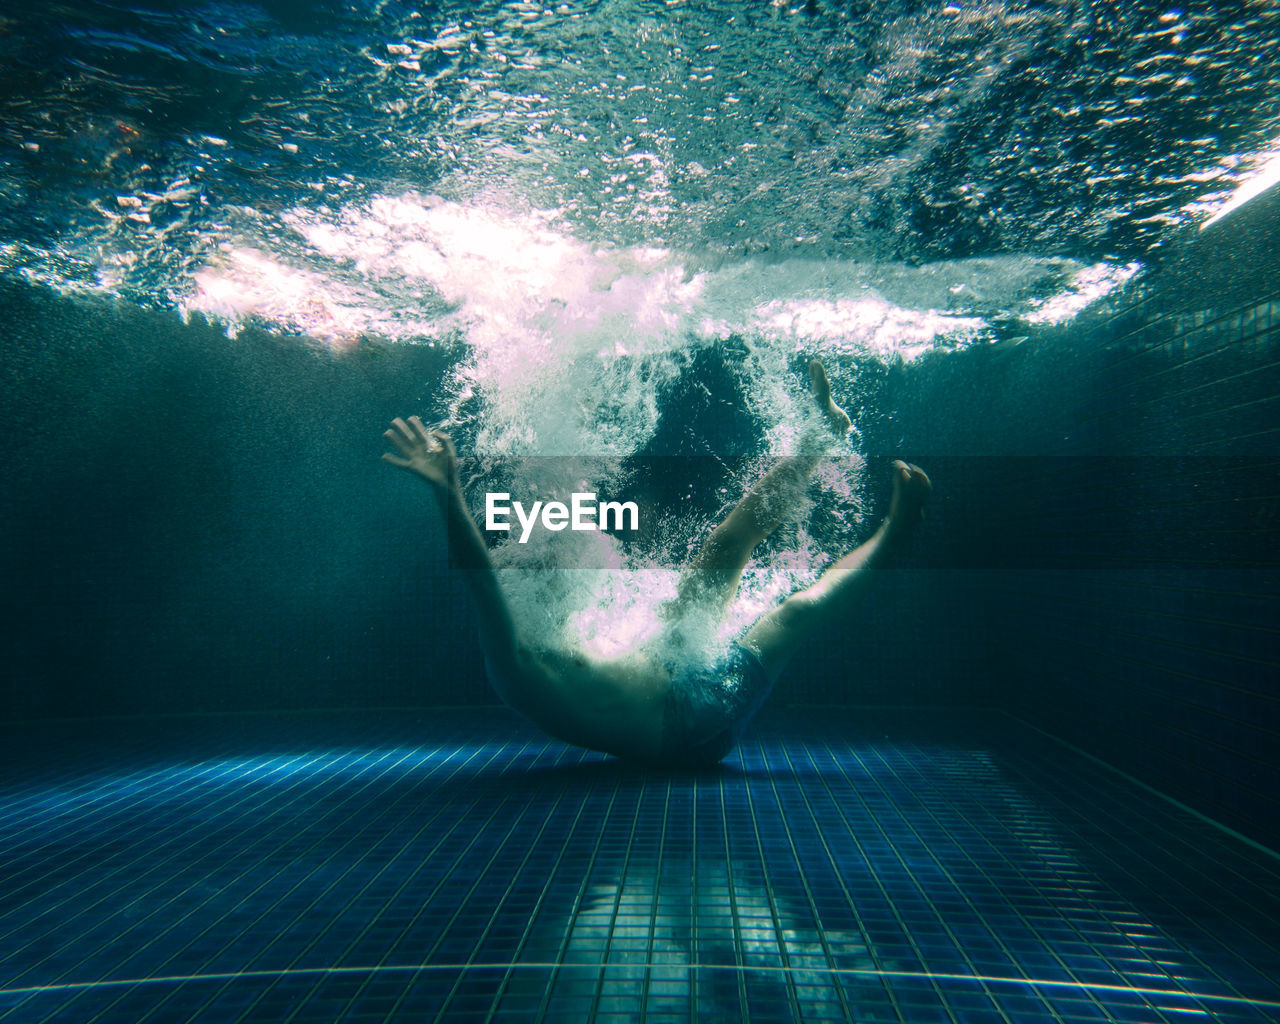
140, 142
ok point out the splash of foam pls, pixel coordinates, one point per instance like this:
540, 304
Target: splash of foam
863, 324
1085, 288
249, 285
549, 318
570, 339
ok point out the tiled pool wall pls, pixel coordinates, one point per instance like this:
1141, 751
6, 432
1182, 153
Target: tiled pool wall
1120, 498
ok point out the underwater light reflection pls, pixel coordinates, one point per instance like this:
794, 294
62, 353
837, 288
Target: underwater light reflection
1266, 173
186, 782
913, 907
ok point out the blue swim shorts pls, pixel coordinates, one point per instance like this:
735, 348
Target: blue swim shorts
707, 712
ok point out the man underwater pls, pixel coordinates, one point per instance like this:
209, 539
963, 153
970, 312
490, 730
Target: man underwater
637, 706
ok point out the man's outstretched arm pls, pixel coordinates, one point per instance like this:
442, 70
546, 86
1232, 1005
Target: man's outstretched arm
430, 455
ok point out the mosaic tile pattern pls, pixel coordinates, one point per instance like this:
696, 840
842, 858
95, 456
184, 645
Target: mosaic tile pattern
461, 867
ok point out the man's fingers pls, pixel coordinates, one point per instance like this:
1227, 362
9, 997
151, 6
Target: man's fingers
395, 460
402, 428
442, 442
411, 437
419, 431
401, 444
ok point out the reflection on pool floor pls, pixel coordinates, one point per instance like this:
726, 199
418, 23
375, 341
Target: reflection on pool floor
873, 867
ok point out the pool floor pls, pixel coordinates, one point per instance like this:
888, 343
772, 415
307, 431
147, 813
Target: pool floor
425, 865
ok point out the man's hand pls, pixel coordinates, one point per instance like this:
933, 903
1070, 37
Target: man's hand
429, 453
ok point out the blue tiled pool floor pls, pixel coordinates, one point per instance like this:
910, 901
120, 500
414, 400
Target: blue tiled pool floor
456, 865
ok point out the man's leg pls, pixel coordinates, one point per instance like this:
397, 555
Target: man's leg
781, 632
711, 579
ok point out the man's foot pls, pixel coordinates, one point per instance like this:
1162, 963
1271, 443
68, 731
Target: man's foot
820, 388
911, 488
